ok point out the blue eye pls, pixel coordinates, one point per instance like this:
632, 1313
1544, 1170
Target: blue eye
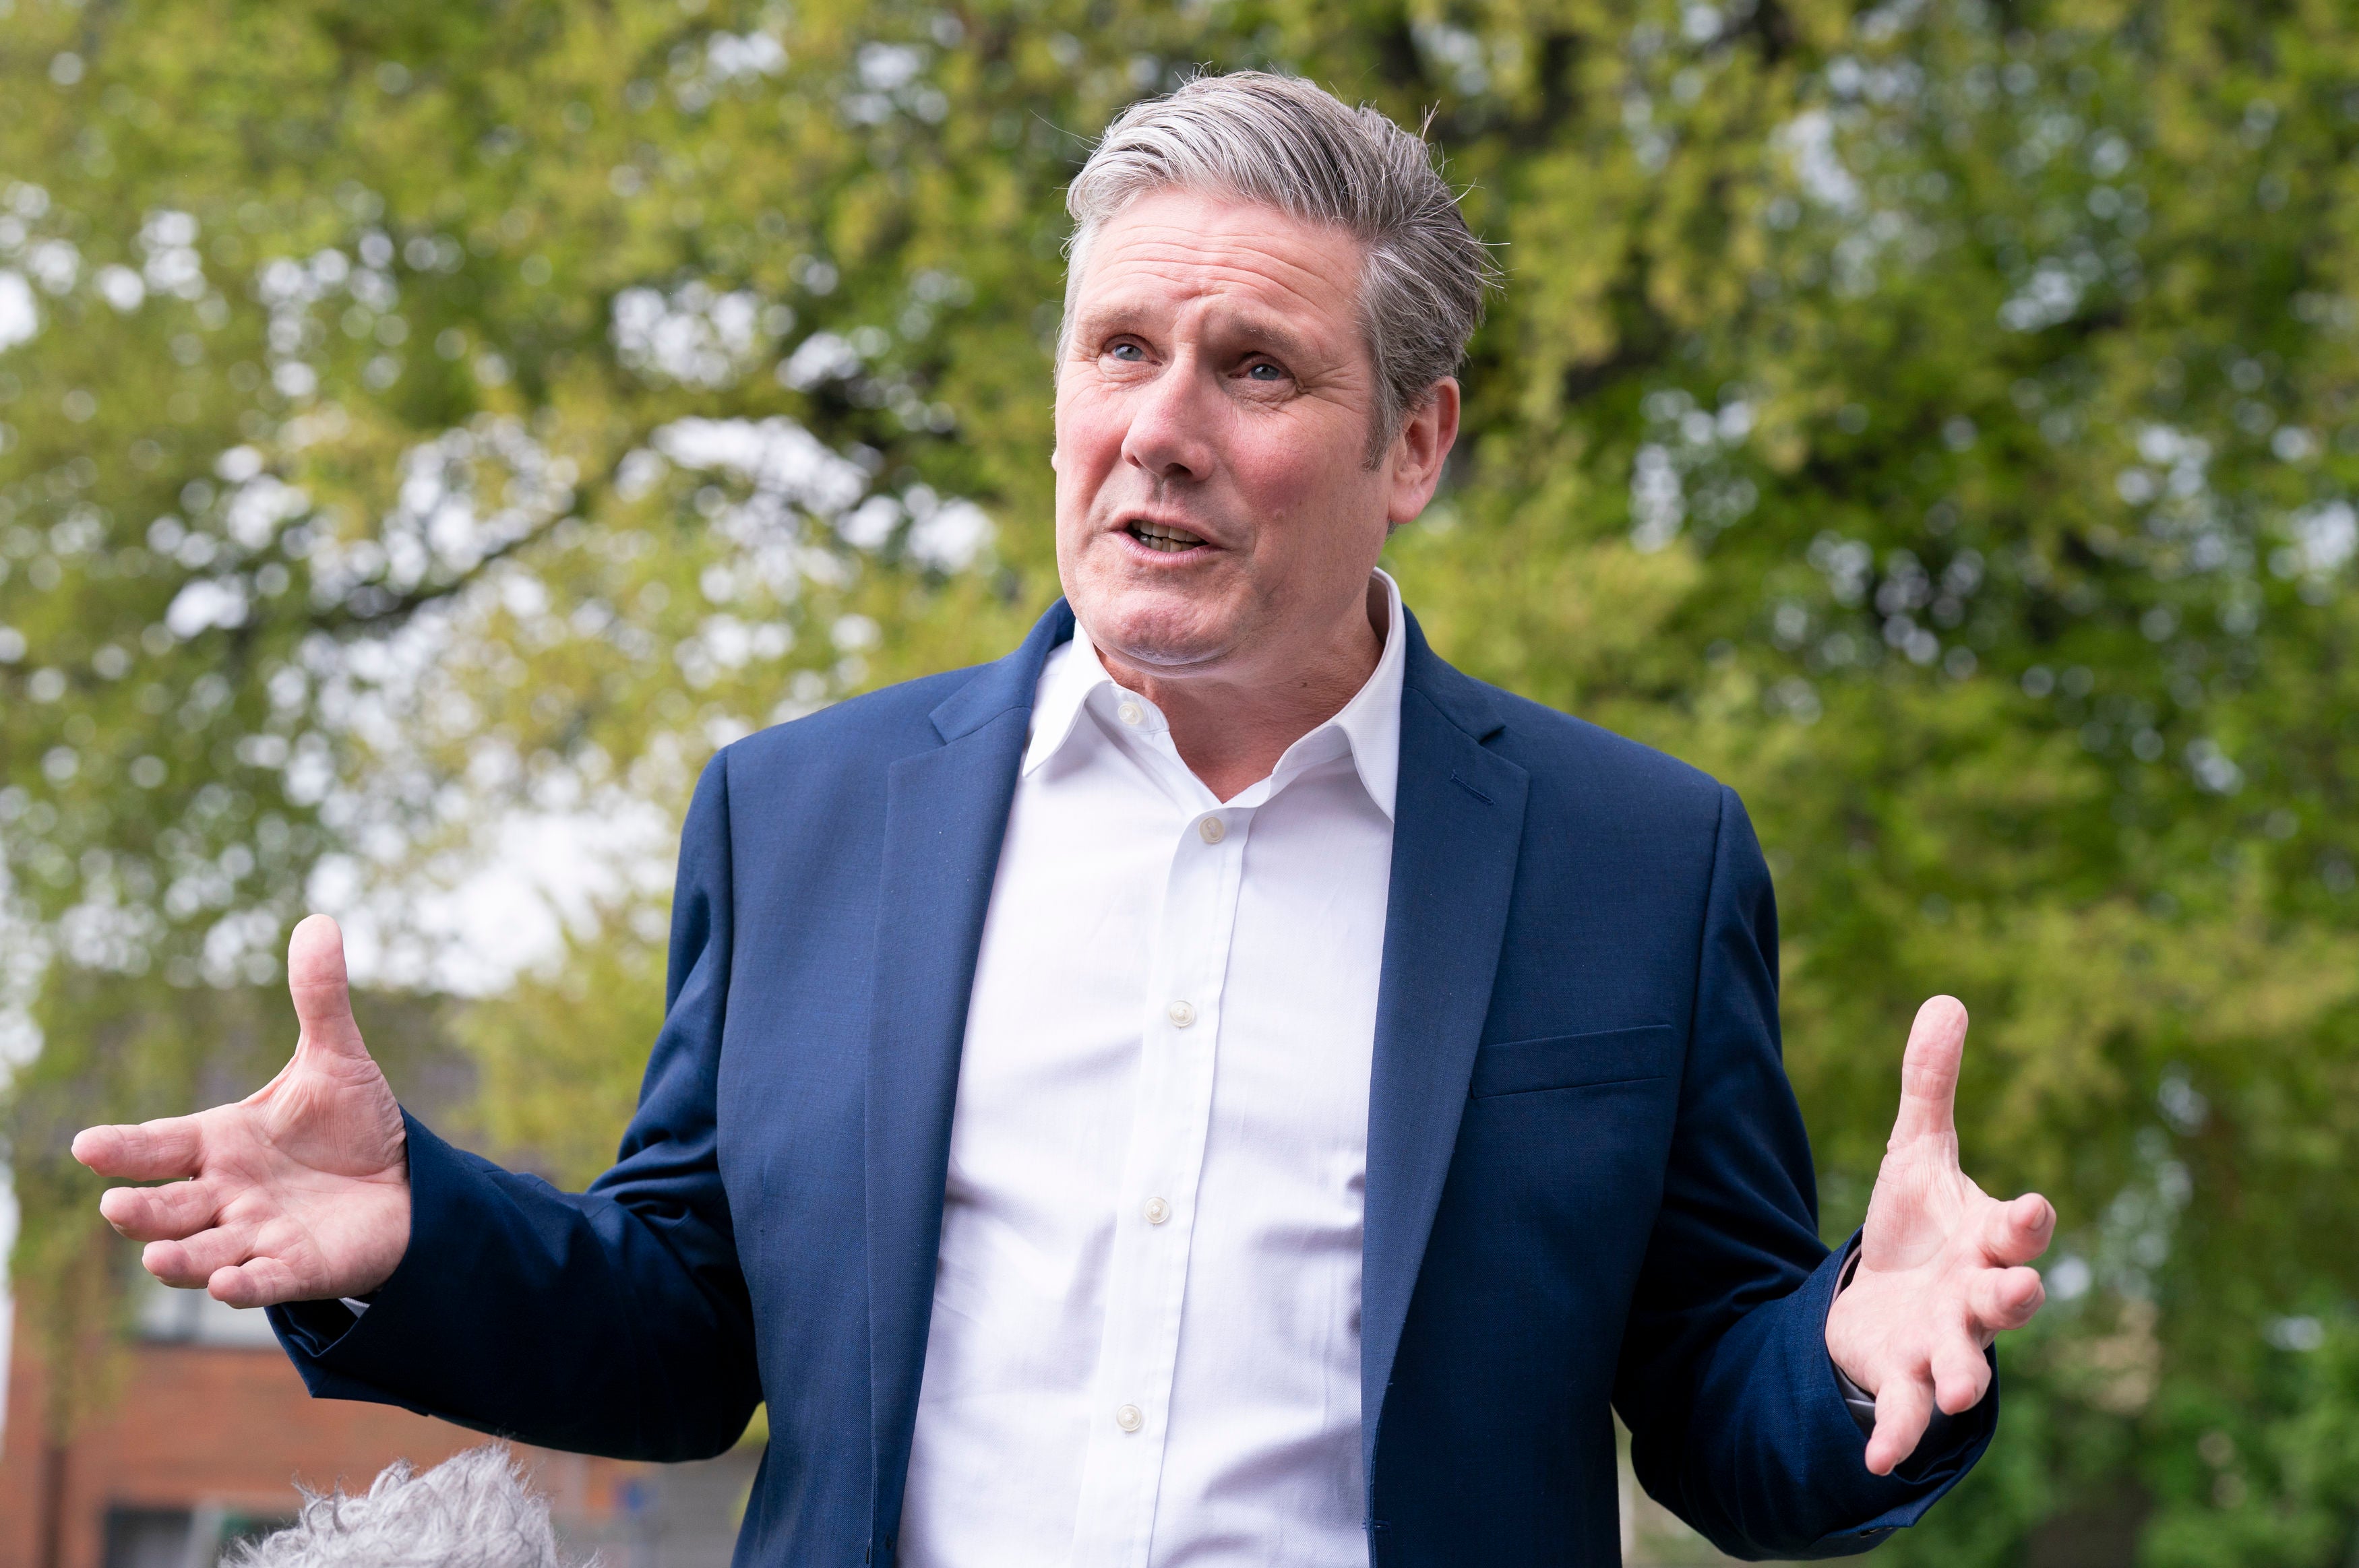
1127, 352
1265, 370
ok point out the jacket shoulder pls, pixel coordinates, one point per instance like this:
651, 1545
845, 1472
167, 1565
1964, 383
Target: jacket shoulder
1577, 761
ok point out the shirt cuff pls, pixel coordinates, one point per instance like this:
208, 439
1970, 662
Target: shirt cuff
1856, 1400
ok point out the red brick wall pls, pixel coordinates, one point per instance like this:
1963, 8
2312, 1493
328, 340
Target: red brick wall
201, 1424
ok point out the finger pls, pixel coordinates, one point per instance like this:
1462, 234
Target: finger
153, 1151
2006, 1298
1904, 1405
2019, 1231
323, 997
256, 1282
189, 1262
161, 1214
1960, 1375
1928, 1071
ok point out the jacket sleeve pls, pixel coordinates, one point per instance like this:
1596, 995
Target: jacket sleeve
614, 1320
1737, 1422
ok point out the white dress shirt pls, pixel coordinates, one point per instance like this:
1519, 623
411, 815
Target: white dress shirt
1145, 1347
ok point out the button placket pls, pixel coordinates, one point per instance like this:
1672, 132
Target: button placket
1148, 1280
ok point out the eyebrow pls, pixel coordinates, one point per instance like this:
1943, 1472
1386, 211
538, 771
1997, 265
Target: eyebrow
1282, 341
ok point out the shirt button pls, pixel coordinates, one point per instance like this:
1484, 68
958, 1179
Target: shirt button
1128, 1418
1212, 829
1158, 1211
1181, 1014
1131, 714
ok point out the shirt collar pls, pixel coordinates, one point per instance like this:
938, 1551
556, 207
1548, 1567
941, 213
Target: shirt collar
1369, 724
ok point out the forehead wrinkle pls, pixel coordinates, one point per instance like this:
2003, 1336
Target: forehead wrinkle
1181, 254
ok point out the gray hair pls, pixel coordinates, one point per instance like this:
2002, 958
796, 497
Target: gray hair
1284, 142
473, 1510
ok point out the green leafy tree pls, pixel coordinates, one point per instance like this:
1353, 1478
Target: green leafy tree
1934, 418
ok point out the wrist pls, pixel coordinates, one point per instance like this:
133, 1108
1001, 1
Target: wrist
1858, 1401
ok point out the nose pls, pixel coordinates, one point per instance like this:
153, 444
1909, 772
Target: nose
1170, 425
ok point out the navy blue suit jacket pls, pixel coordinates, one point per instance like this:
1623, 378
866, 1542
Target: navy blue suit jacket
1587, 1178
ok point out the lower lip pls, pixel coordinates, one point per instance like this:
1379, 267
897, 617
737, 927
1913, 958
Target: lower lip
1148, 553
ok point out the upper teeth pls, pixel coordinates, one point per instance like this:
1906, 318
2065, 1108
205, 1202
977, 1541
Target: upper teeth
1159, 537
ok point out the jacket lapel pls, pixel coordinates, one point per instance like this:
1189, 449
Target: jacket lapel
1458, 827
945, 815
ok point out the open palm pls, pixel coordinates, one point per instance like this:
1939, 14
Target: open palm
1941, 1264
300, 1191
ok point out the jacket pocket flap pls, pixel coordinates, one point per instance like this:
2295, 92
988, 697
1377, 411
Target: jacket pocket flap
1569, 1061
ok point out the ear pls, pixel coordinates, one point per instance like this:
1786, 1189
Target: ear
1413, 466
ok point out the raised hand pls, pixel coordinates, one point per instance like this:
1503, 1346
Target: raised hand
298, 1192
1941, 1265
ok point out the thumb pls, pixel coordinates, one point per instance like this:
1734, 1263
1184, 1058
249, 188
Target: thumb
315, 978
1928, 1072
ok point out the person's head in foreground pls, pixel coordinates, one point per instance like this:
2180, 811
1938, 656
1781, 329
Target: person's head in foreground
475, 1509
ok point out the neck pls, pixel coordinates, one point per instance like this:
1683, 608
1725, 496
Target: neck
1231, 726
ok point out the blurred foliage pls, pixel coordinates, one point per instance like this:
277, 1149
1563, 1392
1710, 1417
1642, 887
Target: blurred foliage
1934, 418
560, 1054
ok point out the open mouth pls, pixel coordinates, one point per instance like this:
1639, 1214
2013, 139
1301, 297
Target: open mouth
1162, 536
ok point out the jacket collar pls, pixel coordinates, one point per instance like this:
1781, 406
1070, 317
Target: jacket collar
1469, 705
1006, 683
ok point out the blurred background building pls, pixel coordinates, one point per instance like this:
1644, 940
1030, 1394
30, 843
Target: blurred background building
427, 432
209, 1430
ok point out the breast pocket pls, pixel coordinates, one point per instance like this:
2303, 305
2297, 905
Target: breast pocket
1575, 1060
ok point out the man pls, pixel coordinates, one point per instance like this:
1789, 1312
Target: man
1215, 1087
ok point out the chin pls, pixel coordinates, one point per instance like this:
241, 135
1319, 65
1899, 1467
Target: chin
1156, 627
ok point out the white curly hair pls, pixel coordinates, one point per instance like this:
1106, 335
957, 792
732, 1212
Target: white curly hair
473, 1510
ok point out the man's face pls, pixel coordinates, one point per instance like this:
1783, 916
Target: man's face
1216, 514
